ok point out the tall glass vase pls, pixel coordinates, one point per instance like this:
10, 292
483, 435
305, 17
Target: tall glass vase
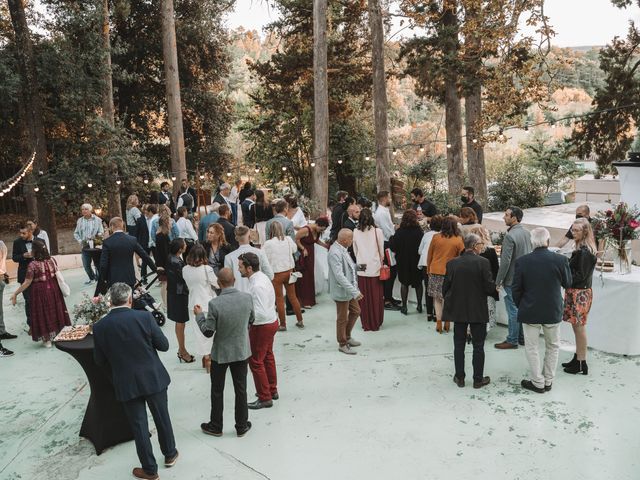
623, 260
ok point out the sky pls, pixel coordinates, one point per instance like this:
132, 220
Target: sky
576, 22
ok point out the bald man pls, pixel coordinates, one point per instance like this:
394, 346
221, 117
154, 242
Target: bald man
343, 285
228, 318
582, 211
353, 215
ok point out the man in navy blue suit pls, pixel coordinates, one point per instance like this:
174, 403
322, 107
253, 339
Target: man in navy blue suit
128, 340
116, 261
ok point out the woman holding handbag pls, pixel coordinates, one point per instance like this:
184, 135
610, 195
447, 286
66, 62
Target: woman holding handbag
306, 238
368, 246
279, 250
49, 312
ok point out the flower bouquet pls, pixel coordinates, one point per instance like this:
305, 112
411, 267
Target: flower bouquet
617, 227
90, 309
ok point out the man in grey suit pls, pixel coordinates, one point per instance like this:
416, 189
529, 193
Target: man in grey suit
516, 243
280, 207
228, 320
343, 286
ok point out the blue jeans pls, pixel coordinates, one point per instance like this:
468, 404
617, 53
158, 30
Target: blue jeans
515, 328
86, 264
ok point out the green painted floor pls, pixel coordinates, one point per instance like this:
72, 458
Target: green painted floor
392, 411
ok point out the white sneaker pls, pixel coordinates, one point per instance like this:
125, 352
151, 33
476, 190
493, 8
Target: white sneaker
47, 344
353, 343
347, 349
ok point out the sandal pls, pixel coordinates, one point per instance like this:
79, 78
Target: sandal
300, 325
189, 359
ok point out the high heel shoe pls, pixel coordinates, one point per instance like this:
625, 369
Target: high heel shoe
189, 359
419, 308
571, 362
579, 367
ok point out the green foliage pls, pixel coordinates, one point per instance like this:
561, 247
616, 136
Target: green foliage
278, 126
427, 172
515, 184
610, 132
550, 160
446, 202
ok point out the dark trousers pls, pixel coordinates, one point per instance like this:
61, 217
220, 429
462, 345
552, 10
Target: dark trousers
136, 412
239, 376
431, 309
26, 294
478, 335
143, 267
388, 284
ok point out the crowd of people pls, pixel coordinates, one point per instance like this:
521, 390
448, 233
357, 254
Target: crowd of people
236, 272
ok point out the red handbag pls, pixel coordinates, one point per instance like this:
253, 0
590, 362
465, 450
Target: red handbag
385, 270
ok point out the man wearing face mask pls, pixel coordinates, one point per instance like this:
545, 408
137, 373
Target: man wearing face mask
468, 200
581, 212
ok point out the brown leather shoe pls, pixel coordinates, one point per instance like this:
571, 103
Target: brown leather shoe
171, 461
140, 473
458, 381
505, 346
482, 383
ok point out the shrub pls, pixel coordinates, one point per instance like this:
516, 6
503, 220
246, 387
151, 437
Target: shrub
515, 184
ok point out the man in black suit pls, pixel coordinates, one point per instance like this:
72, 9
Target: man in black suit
116, 261
128, 340
467, 284
222, 198
352, 217
538, 281
143, 235
468, 199
248, 213
337, 213
166, 197
423, 207
21, 254
229, 230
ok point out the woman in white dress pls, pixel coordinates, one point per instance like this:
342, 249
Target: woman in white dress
295, 213
201, 281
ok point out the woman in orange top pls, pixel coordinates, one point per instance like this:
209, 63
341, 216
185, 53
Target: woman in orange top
445, 246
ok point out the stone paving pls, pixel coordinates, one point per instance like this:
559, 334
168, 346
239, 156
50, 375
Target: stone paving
392, 411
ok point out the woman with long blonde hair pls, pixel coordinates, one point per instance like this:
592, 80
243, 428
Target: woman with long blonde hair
578, 298
132, 214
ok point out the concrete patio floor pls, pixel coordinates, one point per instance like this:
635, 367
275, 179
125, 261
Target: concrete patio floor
392, 411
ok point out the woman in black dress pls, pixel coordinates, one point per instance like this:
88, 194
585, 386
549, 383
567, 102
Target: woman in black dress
178, 296
405, 244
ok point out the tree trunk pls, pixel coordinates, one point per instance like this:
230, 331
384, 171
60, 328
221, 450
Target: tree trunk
34, 119
108, 113
475, 151
174, 103
383, 176
453, 110
320, 177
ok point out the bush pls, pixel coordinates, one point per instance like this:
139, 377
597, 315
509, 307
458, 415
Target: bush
515, 184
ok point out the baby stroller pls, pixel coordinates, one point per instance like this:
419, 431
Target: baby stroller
142, 300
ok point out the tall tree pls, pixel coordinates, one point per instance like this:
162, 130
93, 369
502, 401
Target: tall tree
320, 177
383, 176
33, 110
172, 85
108, 110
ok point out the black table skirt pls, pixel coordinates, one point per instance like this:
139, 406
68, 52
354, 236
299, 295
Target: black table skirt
104, 423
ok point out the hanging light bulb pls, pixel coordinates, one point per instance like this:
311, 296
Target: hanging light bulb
284, 169
340, 162
501, 134
201, 176
421, 148
394, 151
2, 194
62, 187
367, 158
313, 164
526, 128
145, 180
118, 182
449, 145
257, 169
228, 174
89, 185
36, 189
475, 140
173, 178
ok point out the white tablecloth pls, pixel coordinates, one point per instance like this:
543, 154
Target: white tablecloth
614, 321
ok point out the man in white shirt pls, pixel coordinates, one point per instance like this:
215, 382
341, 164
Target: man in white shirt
88, 227
262, 362
231, 260
384, 221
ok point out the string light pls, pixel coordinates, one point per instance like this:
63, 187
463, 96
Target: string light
449, 145
89, 185
340, 162
367, 158
145, 180
36, 189
62, 187
118, 182
201, 177
313, 164
394, 151
173, 178
228, 174
475, 140
421, 148
257, 169
284, 169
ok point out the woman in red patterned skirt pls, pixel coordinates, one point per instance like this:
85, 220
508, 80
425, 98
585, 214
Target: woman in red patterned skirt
48, 311
306, 238
578, 298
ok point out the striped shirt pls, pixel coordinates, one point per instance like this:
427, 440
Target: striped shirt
87, 229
